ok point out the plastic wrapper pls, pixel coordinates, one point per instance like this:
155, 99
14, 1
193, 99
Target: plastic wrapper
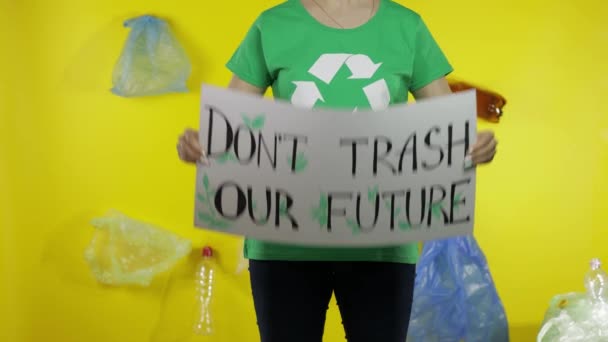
579, 317
152, 61
124, 251
454, 295
574, 318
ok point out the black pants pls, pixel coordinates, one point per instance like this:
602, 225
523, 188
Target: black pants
291, 299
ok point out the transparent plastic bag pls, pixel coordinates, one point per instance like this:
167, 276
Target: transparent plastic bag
579, 317
152, 61
579, 321
572, 317
124, 251
454, 295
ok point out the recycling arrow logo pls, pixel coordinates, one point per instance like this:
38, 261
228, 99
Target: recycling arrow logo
325, 69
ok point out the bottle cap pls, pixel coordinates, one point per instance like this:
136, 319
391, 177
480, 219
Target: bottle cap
207, 251
595, 263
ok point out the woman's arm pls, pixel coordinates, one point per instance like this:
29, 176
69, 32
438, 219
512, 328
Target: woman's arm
436, 88
238, 84
485, 148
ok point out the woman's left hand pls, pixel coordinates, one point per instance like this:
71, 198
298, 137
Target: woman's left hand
484, 149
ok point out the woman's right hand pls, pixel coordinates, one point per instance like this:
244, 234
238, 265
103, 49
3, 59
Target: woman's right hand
189, 149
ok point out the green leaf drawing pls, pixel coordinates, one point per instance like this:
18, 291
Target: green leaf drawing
205, 217
247, 121
226, 157
404, 225
372, 193
323, 201
301, 162
457, 203
254, 206
255, 123
283, 207
221, 224
222, 158
210, 217
387, 205
319, 213
258, 122
354, 226
436, 210
206, 181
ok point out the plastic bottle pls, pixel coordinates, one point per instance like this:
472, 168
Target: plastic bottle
205, 274
596, 282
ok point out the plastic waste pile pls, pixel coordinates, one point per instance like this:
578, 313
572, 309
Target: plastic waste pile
579, 317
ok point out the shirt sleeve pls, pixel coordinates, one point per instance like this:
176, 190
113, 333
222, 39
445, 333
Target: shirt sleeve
430, 63
248, 61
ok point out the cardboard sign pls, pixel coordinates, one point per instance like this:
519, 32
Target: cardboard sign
330, 178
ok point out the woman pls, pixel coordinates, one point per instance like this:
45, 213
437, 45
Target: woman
353, 54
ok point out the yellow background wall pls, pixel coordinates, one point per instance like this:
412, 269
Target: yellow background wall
69, 150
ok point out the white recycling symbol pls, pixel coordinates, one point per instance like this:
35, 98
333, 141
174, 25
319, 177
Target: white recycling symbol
325, 69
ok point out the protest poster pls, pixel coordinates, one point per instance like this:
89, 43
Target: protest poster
335, 178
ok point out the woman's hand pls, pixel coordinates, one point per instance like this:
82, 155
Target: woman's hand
189, 149
484, 149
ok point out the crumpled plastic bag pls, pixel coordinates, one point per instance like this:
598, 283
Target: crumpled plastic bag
124, 251
454, 295
572, 317
152, 61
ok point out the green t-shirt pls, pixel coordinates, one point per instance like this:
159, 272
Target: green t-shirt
313, 65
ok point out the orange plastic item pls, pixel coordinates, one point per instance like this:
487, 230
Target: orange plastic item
489, 103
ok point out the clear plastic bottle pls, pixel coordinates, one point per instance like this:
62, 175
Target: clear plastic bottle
596, 282
205, 274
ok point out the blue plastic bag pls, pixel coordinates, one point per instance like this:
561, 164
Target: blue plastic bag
152, 61
454, 295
